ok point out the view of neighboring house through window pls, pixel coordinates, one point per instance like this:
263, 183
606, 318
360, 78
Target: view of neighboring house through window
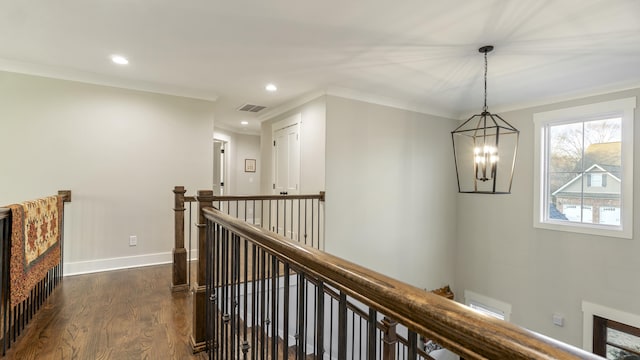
584, 163
583, 177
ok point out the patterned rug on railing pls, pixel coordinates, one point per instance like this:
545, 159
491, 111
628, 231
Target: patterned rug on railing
35, 244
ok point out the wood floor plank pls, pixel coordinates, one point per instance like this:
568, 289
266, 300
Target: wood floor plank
119, 315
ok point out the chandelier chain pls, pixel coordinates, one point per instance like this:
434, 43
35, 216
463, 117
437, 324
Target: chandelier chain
485, 82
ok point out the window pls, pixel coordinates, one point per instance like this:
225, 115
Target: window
619, 330
583, 168
614, 340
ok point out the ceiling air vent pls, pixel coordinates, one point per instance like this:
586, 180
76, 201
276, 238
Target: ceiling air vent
251, 108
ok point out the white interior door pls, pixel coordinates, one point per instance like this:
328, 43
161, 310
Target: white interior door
286, 155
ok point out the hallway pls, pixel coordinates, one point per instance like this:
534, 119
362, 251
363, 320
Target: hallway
120, 315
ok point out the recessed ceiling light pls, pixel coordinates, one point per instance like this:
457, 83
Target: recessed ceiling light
271, 87
245, 123
119, 59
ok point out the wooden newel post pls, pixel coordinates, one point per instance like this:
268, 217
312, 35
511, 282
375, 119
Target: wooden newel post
198, 335
179, 280
390, 340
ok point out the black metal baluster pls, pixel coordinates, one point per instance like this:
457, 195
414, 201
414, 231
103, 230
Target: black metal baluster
342, 327
232, 310
253, 212
360, 337
302, 304
236, 304
306, 220
319, 224
225, 308
315, 314
285, 310
312, 217
270, 211
274, 308
412, 339
253, 301
353, 335
292, 232
245, 211
216, 285
371, 334
277, 216
245, 343
263, 315
320, 321
331, 301
262, 223
380, 343
299, 219
207, 288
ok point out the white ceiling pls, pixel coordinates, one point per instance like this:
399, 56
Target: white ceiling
420, 54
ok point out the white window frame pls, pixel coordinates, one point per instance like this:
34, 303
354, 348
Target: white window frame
623, 108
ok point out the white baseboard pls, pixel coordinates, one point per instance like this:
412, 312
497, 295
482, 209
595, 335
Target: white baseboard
125, 262
99, 265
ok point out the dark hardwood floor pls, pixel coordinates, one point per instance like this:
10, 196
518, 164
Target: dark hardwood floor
124, 314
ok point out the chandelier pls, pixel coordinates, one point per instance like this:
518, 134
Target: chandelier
484, 149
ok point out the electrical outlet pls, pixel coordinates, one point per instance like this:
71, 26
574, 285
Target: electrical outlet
133, 240
558, 319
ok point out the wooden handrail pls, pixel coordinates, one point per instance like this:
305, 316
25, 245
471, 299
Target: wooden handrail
319, 196
452, 325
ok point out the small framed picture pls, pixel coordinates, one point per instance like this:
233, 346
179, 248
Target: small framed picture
249, 165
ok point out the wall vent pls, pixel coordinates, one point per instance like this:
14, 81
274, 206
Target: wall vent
251, 108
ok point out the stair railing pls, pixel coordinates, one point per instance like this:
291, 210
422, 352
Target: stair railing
272, 298
298, 217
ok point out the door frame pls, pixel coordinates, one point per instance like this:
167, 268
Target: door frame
293, 120
225, 169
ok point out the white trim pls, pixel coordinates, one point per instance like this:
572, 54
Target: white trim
270, 114
56, 72
389, 102
125, 262
487, 302
292, 120
623, 108
590, 110
230, 128
591, 309
581, 95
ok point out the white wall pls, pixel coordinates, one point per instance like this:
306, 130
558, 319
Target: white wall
391, 191
312, 147
240, 147
120, 151
537, 271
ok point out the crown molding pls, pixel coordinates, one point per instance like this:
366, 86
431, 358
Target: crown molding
61, 73
301, 100
229, 128
574, 96
389, 101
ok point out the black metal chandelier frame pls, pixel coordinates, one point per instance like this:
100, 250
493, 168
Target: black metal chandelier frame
485, 130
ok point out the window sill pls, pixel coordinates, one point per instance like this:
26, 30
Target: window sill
598, 230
